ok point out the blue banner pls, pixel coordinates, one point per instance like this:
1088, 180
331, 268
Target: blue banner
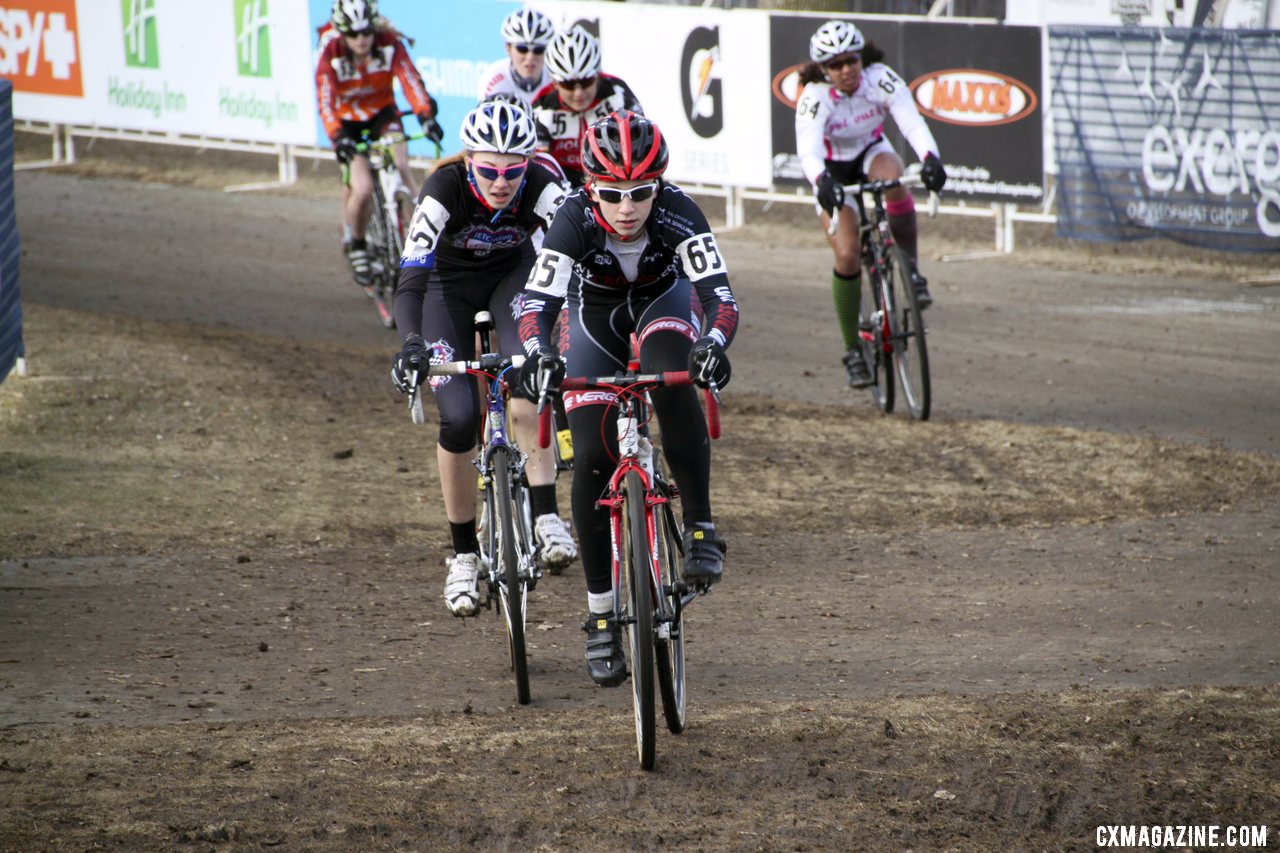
11, 348
1168, 133
454, 42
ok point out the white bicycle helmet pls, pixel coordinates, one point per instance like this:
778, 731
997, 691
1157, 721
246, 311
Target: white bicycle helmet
353, 15
833, 39
499, 127
574, 55
527, 26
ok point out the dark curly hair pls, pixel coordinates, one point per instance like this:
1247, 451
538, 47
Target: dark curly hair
812, 72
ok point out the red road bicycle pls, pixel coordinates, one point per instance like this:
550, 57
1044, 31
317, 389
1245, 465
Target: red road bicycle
649, 595
890, 325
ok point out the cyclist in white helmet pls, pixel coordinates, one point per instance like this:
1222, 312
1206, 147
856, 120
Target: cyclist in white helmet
468, 250
527, 32
578, 96
847, 92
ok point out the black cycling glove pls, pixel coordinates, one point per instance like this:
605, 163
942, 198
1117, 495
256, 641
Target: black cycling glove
708, 362
932, 174
830, 193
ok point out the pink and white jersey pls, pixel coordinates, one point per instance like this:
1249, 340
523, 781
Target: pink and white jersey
831, 125
500, 79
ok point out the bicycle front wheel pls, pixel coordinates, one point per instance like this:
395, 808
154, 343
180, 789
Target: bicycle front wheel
872, 332
669, 640
512, 590
382, 236
637, 598
910, 353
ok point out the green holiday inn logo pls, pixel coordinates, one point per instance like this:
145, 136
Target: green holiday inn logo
140, 39
253, 38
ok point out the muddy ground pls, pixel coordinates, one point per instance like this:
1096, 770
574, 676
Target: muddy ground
1052, 607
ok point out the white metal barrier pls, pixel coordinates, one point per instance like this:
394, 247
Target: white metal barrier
63, 153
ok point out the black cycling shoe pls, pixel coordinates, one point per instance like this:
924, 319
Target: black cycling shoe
605, 662
856, 366
703, 556
923, 297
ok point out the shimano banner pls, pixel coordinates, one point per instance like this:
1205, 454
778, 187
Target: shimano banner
1172, 133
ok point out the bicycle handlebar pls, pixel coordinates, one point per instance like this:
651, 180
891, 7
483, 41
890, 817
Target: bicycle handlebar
622, 383
872, 187
486, 364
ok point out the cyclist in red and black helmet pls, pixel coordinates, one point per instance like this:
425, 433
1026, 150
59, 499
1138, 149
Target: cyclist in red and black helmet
628, 252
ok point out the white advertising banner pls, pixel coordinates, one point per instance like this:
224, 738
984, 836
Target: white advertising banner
239, 69
701, 74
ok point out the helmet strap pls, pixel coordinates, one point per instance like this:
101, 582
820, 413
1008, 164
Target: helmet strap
497, 211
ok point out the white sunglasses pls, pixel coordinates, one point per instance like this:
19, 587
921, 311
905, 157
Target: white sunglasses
612, 195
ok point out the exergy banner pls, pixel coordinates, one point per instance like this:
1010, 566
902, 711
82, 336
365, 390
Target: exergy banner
1172, 133
223, 68
977, 85
699, 77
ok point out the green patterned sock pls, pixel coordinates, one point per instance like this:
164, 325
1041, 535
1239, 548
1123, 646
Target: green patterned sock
847, 294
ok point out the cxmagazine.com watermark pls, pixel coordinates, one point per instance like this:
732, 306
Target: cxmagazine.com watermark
1182, 837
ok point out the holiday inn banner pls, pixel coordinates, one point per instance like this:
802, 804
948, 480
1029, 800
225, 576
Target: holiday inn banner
239, 69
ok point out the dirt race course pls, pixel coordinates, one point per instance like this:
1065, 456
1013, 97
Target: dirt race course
1052, 607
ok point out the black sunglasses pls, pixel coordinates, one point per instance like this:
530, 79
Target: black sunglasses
841, 64
584, 84
610, 195
538, 49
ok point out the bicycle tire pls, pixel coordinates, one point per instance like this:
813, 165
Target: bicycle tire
512, 590
871, 334
669, 649
383, 238
638, 624
910, 350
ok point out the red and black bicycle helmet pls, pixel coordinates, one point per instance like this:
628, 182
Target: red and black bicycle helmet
624, 146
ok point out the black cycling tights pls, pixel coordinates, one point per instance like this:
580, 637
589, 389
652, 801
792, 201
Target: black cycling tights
599, 345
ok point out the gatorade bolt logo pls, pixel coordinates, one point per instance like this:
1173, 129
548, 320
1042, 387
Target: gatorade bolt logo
253, 38
38, 49
140, 39
700, 74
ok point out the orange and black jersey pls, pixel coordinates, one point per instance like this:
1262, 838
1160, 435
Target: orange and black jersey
580, 260
560, 129
454, 233
347, 90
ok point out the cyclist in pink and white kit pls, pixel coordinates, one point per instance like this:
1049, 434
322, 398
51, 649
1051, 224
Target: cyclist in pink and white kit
848, 91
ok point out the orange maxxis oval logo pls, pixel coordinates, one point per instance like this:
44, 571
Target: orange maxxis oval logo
786, 85
973, 97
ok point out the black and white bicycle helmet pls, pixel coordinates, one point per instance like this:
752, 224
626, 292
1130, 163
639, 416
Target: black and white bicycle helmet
527, 26
353, 16
499, 127
573, 55
833, 39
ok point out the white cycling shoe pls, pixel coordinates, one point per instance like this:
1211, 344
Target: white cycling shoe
556, 547
461, 590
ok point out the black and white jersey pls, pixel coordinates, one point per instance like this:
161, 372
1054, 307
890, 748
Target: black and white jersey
579, 252
453, 232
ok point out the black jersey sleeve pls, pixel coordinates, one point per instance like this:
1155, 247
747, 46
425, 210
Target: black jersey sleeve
684, 227
548, 284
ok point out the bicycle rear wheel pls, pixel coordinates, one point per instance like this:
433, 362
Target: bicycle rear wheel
637, 600
910, 352
513, 592
669, 640
871, 327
